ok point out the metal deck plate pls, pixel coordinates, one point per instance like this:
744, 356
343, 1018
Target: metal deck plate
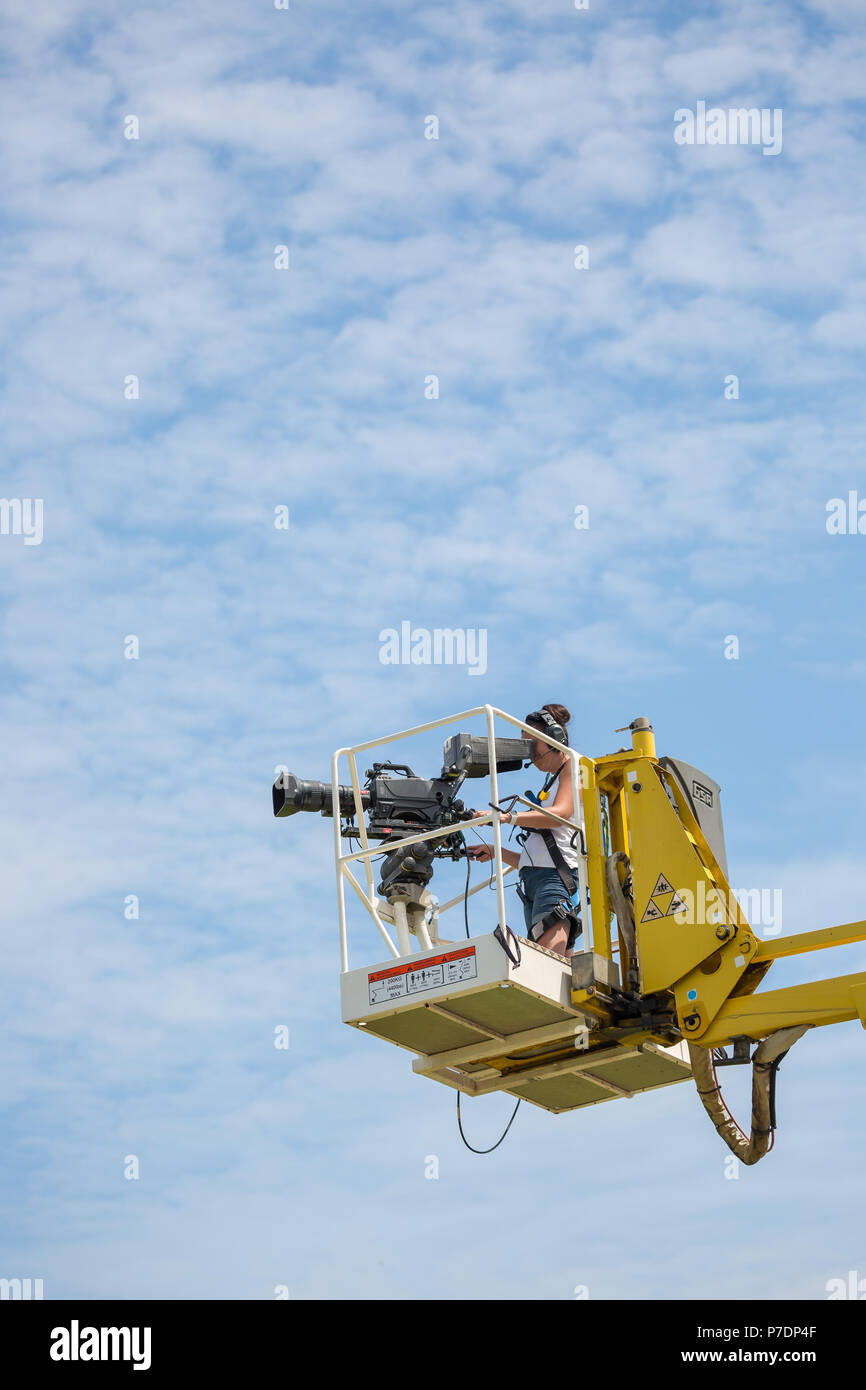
629, 1071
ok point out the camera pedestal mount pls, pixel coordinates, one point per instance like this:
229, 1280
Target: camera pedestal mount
413, 911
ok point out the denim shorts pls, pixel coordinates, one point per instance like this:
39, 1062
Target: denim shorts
543, 889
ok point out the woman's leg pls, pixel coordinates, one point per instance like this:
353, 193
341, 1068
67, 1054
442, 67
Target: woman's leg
556, 939
548, 901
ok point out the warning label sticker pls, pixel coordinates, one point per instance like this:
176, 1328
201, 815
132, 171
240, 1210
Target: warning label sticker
400, 981
664, 902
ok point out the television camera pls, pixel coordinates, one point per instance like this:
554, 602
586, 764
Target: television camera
397, 804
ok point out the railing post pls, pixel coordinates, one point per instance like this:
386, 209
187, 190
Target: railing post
578, 816
341, 887
497, 826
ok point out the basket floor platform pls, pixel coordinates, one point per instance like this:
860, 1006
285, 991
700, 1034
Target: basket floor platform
479, 1023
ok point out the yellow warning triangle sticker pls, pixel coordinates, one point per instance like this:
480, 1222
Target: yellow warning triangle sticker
677, 905
662, 886
652, 912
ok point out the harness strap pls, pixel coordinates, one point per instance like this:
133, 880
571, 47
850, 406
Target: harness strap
500, 937
568, 881
557, 858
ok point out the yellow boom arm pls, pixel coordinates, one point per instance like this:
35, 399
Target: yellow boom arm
685, 949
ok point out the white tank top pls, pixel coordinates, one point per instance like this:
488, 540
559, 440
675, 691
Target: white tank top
536, 855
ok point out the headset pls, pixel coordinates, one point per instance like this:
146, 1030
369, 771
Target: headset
551, 728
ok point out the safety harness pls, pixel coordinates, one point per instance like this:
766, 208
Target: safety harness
561, 911
556, 856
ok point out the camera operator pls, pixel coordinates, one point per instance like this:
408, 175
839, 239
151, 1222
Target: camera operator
548, 860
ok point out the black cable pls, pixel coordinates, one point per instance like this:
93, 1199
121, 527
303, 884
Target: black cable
517, 1106
498, 1142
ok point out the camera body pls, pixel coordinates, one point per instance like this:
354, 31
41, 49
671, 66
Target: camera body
397, 804
409, 805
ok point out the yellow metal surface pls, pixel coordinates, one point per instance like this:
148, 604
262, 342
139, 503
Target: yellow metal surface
695, 946
812, 941
595, 859
699, 960
683, 910
858, 995
701, 993
758, 1015
589, 1002
643, 741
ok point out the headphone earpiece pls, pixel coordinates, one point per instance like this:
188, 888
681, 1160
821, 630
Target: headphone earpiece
551, 727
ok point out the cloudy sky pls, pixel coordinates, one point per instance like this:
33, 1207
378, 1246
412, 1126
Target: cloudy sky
168, 386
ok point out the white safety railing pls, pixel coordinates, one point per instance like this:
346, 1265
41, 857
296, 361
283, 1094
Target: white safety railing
367, 852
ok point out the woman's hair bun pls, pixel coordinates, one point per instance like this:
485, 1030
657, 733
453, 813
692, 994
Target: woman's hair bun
559, 713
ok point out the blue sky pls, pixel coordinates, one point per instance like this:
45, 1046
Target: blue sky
558, 387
